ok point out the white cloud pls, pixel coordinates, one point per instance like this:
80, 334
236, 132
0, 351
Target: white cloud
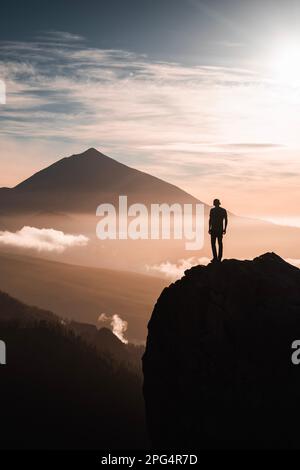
123, 99
176, 270
119, 326
294, 262
44, 239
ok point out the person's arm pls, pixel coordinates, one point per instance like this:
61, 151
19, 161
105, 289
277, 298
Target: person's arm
209, 223
226, 221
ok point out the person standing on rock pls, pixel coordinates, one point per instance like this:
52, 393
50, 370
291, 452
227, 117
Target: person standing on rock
218, 221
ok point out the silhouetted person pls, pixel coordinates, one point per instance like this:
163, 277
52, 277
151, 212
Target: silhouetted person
217, 228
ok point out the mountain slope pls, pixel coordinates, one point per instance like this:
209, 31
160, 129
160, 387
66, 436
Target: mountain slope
217, 367
81, 182
102, 339
61, 393
81, 293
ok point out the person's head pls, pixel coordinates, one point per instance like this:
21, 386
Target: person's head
217, 202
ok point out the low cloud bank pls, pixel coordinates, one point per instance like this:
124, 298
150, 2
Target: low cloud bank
42, 239
176, 270
293, 261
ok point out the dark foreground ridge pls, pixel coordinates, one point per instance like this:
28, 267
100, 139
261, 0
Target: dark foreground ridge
64, 385
217, 367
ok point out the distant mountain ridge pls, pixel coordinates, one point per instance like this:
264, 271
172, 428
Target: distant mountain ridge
82, 181
62, 391
80, 293
102, 339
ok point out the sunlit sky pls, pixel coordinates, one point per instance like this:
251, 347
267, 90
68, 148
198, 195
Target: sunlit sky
204, 94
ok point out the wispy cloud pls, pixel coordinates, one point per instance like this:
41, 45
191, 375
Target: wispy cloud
225, 127
60, 36
123, 99
45, 239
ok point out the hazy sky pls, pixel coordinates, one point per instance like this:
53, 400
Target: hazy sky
203, 94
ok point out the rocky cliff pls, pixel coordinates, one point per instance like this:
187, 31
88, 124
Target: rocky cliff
217, 367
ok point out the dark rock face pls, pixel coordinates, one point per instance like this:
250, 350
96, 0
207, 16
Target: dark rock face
217, 367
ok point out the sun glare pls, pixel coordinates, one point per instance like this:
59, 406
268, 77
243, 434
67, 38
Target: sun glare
285, 62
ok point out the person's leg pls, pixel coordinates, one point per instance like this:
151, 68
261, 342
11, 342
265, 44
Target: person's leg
213, 239
220, 243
